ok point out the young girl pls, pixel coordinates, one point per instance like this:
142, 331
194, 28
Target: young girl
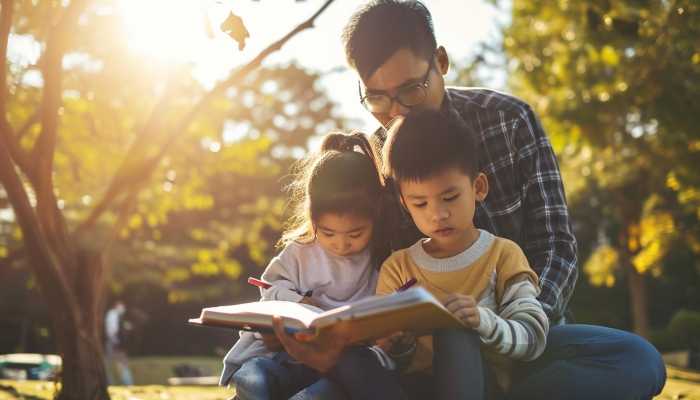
332, 250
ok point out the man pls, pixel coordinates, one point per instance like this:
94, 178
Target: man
392, 47
114, 348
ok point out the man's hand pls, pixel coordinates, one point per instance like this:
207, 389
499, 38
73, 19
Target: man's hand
464, 308
320, 352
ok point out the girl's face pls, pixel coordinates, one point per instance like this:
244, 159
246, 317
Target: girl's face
343, 234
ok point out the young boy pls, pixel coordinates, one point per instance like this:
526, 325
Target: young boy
484, 280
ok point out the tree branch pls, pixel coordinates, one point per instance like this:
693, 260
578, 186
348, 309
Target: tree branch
20, 157
122, 184
50, 216
53, 282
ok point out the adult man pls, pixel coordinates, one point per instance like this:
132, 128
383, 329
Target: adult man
114, 346
391, 45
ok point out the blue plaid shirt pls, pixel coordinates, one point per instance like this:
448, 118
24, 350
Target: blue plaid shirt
526, 201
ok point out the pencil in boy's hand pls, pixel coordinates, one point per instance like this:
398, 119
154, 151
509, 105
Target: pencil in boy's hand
259, 283
407, 285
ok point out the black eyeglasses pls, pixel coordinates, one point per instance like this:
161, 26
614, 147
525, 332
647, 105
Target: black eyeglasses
409, 96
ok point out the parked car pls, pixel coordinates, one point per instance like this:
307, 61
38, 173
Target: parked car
29, 366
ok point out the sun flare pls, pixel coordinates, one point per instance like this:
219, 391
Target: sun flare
167, 30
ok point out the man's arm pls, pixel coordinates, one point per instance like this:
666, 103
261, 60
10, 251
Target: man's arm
548, 240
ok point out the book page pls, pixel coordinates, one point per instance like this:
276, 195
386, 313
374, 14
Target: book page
295, 315
414, 310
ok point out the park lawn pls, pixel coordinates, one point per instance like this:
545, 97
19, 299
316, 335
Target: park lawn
681, 384
32, 390
156, 370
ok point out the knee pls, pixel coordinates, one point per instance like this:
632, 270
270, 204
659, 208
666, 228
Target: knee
456, 338
252, 379
644, 363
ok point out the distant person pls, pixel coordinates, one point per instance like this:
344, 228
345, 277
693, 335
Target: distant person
331, 256
115, 351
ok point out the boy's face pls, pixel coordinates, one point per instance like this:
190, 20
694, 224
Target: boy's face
442, 207
402, 70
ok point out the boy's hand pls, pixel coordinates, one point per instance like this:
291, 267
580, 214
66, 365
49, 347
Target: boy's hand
396, 343
464, 308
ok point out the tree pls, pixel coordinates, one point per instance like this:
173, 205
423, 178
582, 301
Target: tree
616, 84
62, 132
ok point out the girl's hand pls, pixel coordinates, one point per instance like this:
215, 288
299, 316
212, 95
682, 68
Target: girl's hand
271, 342
310, 301
320, 352
464, 308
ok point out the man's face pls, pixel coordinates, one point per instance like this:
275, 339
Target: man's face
403, 69
442, 207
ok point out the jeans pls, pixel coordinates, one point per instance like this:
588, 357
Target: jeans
579, 362
459, 370
280, 377
591, 362
115, 355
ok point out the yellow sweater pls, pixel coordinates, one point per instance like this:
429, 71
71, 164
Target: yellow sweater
496, 272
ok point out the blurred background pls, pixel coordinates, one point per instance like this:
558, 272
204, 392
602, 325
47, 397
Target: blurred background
142, 144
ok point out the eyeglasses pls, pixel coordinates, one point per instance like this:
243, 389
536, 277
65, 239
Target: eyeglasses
409, 96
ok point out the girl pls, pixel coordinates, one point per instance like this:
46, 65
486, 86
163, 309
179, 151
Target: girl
332, 251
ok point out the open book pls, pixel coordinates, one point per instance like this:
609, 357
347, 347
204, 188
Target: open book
414, 310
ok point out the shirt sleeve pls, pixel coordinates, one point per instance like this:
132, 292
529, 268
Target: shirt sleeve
283, 274
547, 240
519, 328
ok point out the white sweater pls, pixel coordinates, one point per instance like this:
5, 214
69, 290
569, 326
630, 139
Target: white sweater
298, 268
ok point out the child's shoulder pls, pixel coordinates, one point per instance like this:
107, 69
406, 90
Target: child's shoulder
505, 246
296, 248
399, 257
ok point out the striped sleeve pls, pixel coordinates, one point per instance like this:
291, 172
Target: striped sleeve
520, 328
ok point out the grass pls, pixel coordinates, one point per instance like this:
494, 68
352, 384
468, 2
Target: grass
157, 370
681, 384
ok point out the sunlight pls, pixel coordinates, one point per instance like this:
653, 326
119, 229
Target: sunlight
167, 30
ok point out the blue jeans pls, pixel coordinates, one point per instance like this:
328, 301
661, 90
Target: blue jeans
580, 362
591, 362
280, 377
459, 370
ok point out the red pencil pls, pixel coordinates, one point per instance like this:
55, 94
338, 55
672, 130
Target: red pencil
259, 283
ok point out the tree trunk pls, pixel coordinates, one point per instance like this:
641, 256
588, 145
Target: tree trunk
78, 335
83, 373
636, 284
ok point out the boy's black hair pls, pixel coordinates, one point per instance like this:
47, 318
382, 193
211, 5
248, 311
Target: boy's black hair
427, 142
381, 27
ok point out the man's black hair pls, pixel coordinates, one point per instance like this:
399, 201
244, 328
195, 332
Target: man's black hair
381, 27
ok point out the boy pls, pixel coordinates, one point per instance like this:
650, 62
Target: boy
484, 280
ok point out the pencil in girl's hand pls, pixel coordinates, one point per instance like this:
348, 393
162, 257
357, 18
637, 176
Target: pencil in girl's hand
259, 283
266, 285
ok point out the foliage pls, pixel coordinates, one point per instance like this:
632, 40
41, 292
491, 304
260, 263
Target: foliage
102, 155
615, 84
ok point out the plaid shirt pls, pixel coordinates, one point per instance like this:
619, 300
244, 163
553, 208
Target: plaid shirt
526, 201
